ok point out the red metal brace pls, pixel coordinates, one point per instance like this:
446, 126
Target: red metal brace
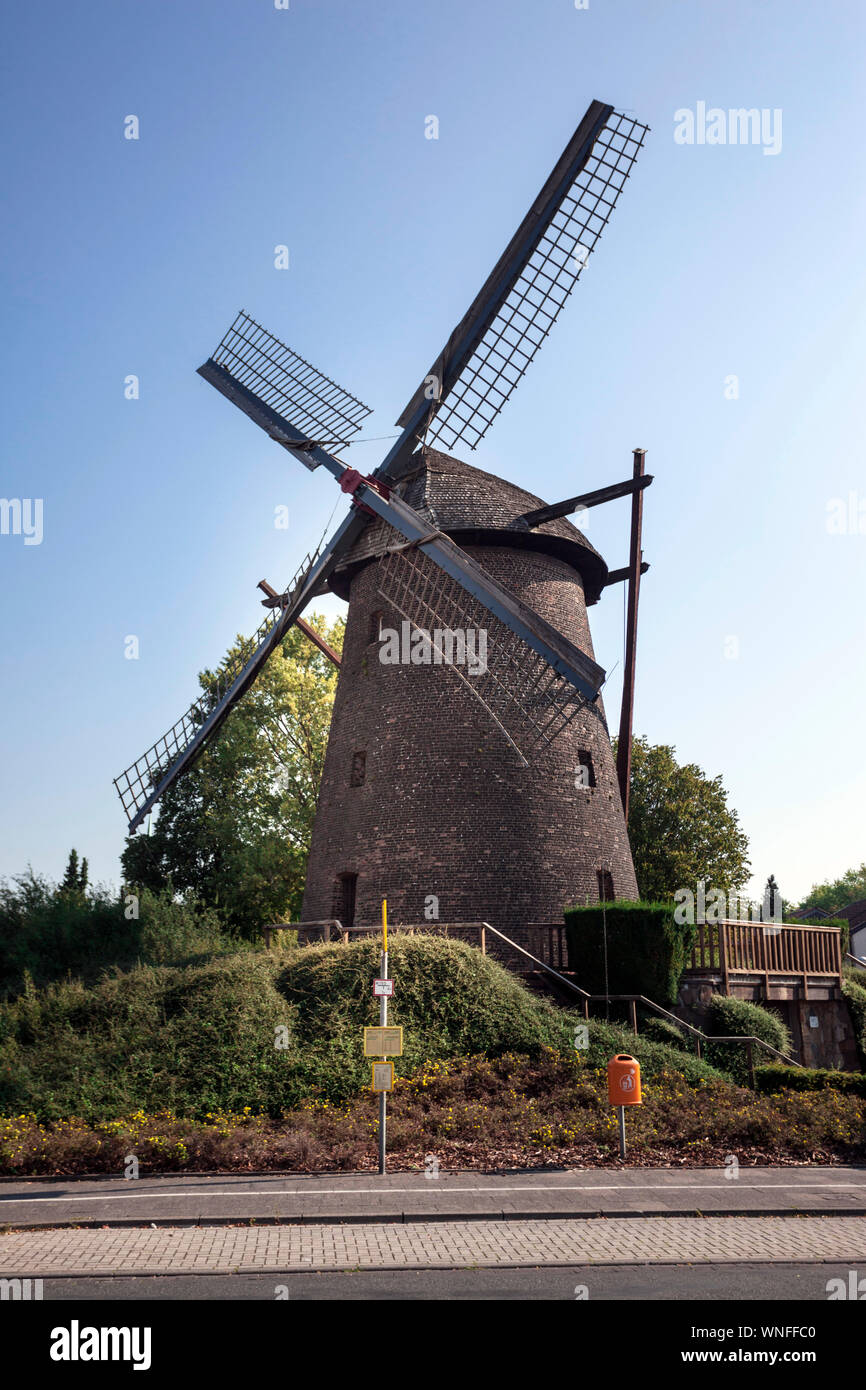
351, 480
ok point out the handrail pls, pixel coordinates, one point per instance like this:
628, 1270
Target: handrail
856, 960
649, 1003
788, 926
297, 926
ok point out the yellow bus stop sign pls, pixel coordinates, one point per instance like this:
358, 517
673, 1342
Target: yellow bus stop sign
383, 1042
383, 1076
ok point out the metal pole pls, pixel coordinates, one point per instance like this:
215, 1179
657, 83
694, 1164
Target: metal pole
623, 749
622, 1131
383, 1019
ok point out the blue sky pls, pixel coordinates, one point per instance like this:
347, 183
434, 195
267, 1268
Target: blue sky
305, 127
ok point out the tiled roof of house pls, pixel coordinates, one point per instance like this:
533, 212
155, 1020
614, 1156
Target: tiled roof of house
854, 912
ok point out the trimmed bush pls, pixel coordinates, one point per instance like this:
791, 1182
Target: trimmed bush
647, 950
738, 1018
854, 994
772, 1079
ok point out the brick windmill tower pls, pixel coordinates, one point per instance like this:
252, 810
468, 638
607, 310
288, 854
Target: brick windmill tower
425, 797
469, 772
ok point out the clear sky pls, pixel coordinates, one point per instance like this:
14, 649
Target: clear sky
306, 127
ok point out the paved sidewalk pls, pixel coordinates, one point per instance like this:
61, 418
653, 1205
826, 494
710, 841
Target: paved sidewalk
442, 1244
403, 1197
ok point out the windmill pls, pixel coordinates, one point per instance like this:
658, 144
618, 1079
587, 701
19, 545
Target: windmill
520, 574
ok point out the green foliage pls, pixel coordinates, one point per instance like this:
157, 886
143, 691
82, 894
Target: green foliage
201, 1037
663, 1031
854, 994
235, 831
74, 880
772, 1079
740, 1019
647, 950
844, 932
841, 892
48, 932
680, 826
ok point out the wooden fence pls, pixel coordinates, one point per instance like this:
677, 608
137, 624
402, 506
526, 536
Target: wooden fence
764, 948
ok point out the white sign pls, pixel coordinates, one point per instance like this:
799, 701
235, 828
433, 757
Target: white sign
383, 988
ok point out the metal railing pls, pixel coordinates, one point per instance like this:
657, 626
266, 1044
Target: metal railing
749, 1042
553, 934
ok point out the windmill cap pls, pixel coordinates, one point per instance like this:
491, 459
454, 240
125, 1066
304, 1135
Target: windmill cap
477, 508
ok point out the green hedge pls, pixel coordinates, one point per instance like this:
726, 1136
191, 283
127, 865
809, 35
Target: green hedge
647, 950
770, 1079
740, 1019
854, 994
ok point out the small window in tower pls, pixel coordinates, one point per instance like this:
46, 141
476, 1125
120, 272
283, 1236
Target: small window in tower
377, 622
586, 770
359, 769
605, 886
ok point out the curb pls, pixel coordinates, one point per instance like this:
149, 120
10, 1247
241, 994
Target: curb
409, 1218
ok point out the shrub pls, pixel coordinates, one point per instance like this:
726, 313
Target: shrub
775, 1078
738, 1018
661, 1030
202, 1037
854, 994
47, 933
844, 928
647, 950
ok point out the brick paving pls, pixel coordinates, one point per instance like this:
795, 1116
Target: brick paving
440, 1244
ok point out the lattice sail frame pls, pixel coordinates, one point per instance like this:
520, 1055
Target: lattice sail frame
290, 386
526, 698
136, 784
536, 299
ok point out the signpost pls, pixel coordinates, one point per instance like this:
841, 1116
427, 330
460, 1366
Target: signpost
384, 1030
383, 1042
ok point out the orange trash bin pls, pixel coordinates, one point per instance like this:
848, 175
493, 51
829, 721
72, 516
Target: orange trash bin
623, 1080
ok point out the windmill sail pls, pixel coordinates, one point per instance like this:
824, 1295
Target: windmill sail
144, 782
285, 395
525, 696
491, 348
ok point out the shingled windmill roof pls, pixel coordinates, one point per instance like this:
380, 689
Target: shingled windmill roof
476, 508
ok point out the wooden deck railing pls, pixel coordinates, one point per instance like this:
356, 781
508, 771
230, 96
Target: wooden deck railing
765, 948
548, 942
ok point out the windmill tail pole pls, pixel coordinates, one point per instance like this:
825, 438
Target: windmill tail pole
623, 751
318, 641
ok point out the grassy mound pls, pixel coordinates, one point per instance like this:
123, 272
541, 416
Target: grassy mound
268, 1033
